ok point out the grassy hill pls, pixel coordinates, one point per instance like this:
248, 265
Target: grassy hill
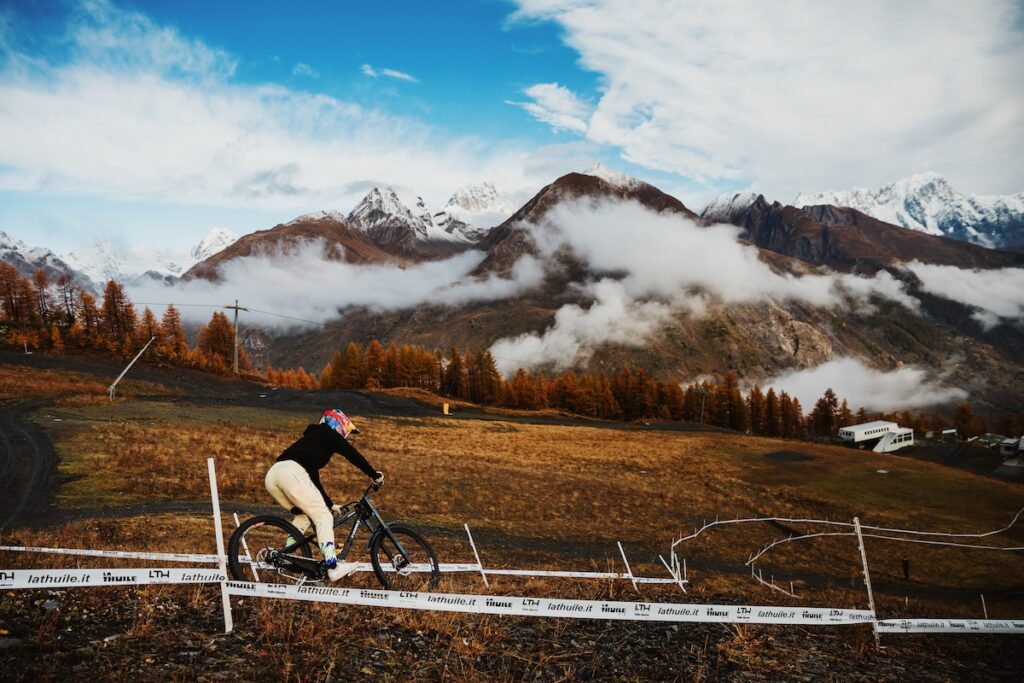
133, 476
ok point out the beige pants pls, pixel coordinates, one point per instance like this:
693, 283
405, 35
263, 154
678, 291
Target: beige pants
291, 486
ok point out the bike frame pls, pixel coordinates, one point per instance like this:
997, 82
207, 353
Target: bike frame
359, 511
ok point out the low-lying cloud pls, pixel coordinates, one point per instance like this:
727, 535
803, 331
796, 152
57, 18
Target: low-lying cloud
864, 386
666, 265
302, 283
996, 295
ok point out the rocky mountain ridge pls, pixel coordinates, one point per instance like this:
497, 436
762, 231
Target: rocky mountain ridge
928, 203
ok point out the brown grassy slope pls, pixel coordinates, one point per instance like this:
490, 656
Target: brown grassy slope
19, 382
340, 242
174, 632
537, 496
549, 487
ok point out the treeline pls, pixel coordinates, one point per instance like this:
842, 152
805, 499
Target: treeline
42, 315
625, 394
39, 314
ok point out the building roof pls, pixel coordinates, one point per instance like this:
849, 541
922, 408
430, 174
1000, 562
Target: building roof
877, 424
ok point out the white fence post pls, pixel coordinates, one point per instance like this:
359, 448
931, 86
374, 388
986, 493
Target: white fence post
476, 555
629, 572
867, 581
229, 622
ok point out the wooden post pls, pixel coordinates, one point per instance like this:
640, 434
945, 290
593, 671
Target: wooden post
867, 581
236, 308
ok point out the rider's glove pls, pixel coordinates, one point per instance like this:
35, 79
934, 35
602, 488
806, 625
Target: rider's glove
378, 479
336, 509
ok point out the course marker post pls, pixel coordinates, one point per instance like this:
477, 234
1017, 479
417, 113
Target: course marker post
245, 548
629, 572
476, 555
229, 623
867, 581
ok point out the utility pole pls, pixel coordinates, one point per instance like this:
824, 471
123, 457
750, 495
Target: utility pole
236, 308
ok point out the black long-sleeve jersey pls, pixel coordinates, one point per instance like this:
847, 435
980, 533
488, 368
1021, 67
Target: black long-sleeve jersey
314, 450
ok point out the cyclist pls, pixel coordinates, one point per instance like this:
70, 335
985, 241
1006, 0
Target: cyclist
294, 481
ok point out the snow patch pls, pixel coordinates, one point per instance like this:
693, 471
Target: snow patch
613, 177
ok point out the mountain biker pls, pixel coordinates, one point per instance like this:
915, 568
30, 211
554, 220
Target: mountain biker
294, 481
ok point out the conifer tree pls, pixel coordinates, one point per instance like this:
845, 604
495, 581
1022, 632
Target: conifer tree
772, 414
118, 316
172, 343
757, 408
217, 342
373, 365
56, 343
41, 297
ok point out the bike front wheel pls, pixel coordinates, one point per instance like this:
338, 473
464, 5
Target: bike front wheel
254, 551
403, 560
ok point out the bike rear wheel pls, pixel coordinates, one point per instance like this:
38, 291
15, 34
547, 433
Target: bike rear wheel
415, 569
254, 552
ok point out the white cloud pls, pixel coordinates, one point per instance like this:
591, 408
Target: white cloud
998, 294
305, 70
133, 111
796, 95
613, 318
304, 284
556, 106
666, 265
374, 72
863, 386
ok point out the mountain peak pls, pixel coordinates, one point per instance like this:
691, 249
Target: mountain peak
613, 177
479, 198
726, 206
378, 204
389, 221
215, 240
927, 202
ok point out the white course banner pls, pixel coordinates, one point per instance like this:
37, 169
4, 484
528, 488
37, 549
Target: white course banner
951, 626
444, 567
552, 607
119, 554
81, 578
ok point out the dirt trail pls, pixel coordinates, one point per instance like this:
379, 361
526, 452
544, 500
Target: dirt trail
28, 467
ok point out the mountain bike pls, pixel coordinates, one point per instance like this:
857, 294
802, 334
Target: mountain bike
269, 549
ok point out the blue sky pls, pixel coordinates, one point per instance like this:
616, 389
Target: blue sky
156, 121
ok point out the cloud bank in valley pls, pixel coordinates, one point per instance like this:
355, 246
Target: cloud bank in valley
668, 266
863, 386
302, 283
998, 295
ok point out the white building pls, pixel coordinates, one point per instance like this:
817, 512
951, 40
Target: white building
880, 436
1009, 448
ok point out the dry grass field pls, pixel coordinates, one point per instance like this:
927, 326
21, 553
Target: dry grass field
583, 488
19, 382
534, 496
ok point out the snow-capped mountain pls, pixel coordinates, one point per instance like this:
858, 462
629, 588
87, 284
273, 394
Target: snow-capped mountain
613, 177
727, 206
101, 260
388, 220
30, 259
474, 210
216, 240
928, 203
